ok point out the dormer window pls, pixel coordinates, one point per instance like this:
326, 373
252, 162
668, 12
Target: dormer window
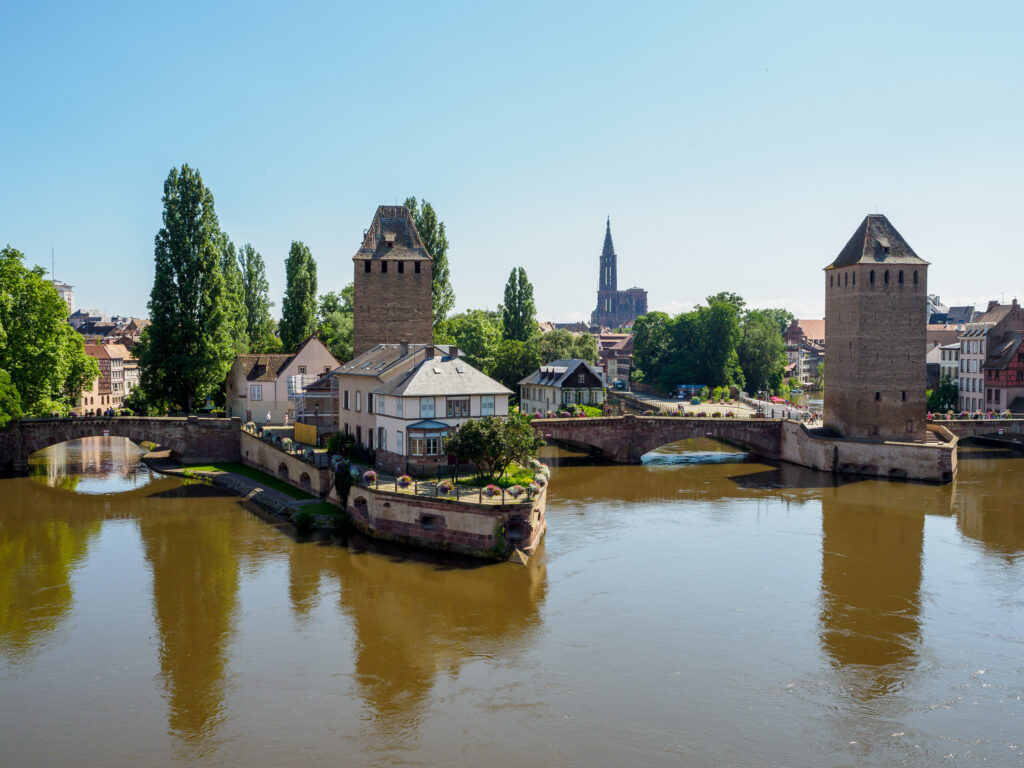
389, 239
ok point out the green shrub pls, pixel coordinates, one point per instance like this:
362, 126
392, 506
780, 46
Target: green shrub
303, 520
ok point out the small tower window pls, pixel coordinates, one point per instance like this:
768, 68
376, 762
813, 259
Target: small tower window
871, 277
846, 279
901, 277
417, 267
401, 267
878, 395
383, 267
366, 266
830, 281
904, 394
915, 277
854, 278
887, 277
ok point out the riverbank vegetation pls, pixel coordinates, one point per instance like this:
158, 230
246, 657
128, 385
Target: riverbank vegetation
263, 478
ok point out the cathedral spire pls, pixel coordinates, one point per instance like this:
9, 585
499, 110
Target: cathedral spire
609, 249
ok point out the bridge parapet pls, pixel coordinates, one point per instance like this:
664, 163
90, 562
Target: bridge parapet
195, 439
978, 427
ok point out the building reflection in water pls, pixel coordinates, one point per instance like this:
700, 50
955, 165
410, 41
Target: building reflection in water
416, 617
870, 584
91, 465
993, 513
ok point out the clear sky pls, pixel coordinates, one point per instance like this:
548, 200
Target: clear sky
736, 146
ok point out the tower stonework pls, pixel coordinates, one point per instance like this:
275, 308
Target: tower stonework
615, 308
392, 296
876, 297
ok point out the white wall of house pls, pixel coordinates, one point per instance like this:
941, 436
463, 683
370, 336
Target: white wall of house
252, 400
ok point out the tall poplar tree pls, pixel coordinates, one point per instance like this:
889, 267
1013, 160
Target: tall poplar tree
518, 312
436, 242
299, 308
186, 353
259, 324
234, 296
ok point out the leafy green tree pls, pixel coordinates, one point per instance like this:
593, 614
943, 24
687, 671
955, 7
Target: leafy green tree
10, 401
556, 345
234, 297
584, 347
186, 352
255, 296
780, 317
719, 339
436, 242
518, 312
514, 361
762, 351
493, 443
44, 358
819, 376
336, 321
299, 308
477, 333
944, 397
652, 343
729, 297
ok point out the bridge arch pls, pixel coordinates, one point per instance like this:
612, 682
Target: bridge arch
625, 439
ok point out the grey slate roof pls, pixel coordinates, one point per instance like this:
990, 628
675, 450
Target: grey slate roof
392, 235
876, 241
553, 374
1003, 355
445, 375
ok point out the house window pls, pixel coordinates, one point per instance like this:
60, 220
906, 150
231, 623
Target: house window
566, 395
581, 378
302, 369
359, 400
997, 396
398, 406
256, 392
458, 407
416, 445
346, 401
433, 444
382, 438
487, 405
369, 402
399, 445
359, 434
426, 405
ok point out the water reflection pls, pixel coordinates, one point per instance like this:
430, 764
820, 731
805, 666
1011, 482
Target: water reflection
91, 465
992, 511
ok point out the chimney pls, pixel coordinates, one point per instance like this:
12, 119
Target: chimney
992, 305
453, 351
403, 348
428, 351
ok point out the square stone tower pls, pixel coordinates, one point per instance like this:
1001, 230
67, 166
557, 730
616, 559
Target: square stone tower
876, 296
392, 291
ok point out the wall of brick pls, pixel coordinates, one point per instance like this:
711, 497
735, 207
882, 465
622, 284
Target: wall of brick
391, 307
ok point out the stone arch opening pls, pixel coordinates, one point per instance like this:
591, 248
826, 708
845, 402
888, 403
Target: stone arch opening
305, 481
282, 470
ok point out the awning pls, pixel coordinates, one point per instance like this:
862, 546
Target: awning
429, 425
777, 399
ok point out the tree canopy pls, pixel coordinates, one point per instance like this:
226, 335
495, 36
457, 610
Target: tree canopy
259, 324
336, 318
299, 307
42, 358
518, 312
435, 239
493, 443
561, 344
185, 354
234, 297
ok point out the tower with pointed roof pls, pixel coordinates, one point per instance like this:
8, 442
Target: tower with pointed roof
392, 286
876, 299
615, 308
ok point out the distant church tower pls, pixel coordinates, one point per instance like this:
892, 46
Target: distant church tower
876, 297
392, 297
615, 308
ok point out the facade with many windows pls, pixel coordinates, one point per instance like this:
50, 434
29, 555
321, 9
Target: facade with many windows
560, 383
988, 360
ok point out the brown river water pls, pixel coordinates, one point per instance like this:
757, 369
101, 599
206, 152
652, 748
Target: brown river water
701, 610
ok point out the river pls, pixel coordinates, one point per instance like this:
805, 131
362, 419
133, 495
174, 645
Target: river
704, 609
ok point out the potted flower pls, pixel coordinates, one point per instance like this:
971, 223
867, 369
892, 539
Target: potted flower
250, 427
369, 477
540, 480
286, 444
308, 454
515, 491
535, 487
491, 490
446, 487
404, 481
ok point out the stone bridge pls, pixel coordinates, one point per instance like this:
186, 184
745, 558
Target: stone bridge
965, 428
195, 440
624, 439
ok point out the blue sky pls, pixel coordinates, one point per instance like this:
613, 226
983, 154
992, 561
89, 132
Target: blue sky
736, 146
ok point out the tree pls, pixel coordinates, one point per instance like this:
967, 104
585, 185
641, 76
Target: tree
584, 347
298, 310
761, 351
518, 312
944, 397
186, 352
719, 338
730, 298
652, 340
336, 322
435, 240
234, 297
10, 401
42, 356
561, 344
259, 325
513, 362
493, 443
477, 333
780, 317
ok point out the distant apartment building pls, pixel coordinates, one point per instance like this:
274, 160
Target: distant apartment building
108, 389
986, 358
66, 292
949, 361
805, 349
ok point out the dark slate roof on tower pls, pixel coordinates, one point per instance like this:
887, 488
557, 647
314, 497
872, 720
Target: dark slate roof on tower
876, 241
392, 235
609, 249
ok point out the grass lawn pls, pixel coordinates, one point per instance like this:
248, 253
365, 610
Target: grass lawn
253, 474
515, 475
323, 508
